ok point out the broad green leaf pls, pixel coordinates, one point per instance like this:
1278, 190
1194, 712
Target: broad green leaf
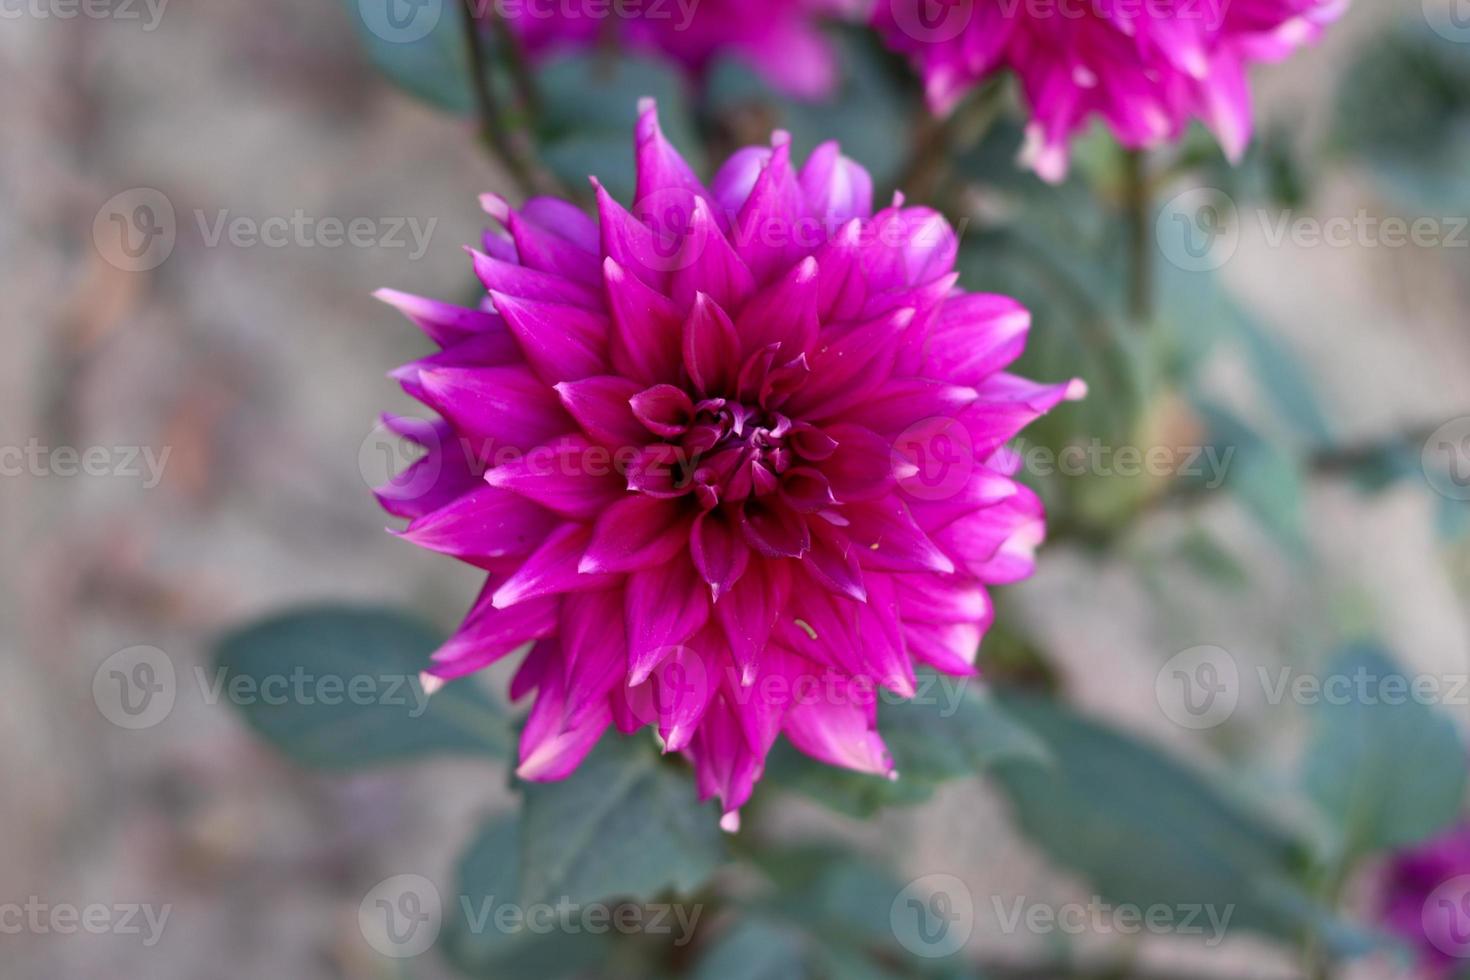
1384, 767
482, 945
1145, 830
756, 949
336, 687
1404, 110
947, 732
626, 824
420, 45
1268, 479
589, 108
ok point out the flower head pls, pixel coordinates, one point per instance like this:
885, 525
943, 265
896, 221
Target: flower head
733, 460
781, 39
1145, 67
1425, 899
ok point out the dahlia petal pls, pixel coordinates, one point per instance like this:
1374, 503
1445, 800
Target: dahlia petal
842, 288
561, 343
748, 612
660, 166
737, 176
975, 336
905, 402
485, 523
708, 263
446, 471
1006, 404
840, 731
784, 314
666, 605
881, 627
489, 634
495, 407
837, 189
444, 323
552, 744
596, 662
602, 407
888, 537
630, 243
543, 247
539, 662
833, 562
526, 283
678, 693
796, 57
637, 532
762, 229
775, 531
711, 347
1227, 105
849, 369
568, 476
950, 648
649, 329
563, 219
719, 552
997, 545
553, 569
861, 466
942, 599
724, 765
664, 410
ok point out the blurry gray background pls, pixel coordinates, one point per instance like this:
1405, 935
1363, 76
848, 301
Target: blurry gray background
260, 370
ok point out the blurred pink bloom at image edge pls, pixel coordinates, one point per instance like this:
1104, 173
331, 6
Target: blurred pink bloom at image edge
773, 374
1421, 901
1145, 68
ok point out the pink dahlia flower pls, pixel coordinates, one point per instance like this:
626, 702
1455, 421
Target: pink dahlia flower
733, 461
1146, 67
1425, 900
781, 39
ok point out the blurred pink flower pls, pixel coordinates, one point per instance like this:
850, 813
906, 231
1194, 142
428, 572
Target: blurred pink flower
1146, 67
733, 460
781, 39
1425, 899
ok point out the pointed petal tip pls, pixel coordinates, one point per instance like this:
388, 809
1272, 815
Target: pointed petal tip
1076, 390
730, 822
496, 207
431, 684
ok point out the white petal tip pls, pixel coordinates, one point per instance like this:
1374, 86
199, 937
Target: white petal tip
730, 822
432, 685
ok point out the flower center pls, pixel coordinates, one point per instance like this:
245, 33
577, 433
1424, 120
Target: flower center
736, 452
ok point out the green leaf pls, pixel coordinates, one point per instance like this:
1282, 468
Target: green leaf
1269, 480
1404, 110
589, 108
756, 949
626, 824
1383, 766
1145, 830
336, 687
947, 732
480, 945
420, 46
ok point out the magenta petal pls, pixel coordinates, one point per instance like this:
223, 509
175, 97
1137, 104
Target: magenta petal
486, 523
561, 343
638, 532
975, 336
840, 731
748, 613
708, 264
950, 648
1006, 404
762, 229
488, 634
660, 167
861, 466
724, 764
784, 313
649, 330
551, 745
553, 569
446, 471
849, 369
525, 283
495, 407
833, 561
664, 410
602, 406
774, 530
842, 289
737, 176
445, 323
889, 538
836, 188
569, 476
596, 661
711, 348
630, 243
882, 631
719, 552
666, 605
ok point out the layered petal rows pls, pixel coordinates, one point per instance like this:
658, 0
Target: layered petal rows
733, 461
1145, 67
